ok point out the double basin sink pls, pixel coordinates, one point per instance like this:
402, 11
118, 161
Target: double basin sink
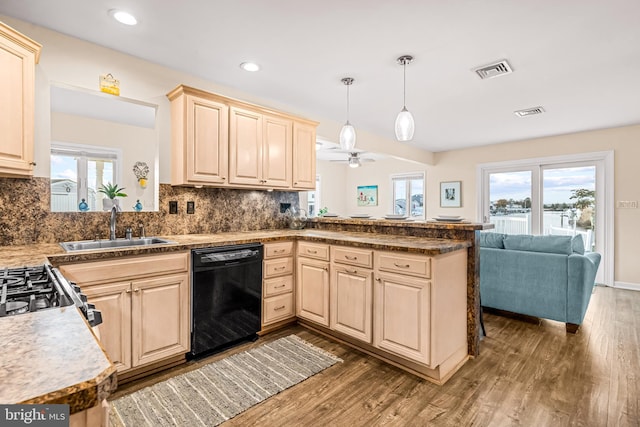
92, 245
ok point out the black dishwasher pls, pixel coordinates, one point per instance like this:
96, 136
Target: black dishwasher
226, 294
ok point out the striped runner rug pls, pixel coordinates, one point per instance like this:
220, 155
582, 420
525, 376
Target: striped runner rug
221, 390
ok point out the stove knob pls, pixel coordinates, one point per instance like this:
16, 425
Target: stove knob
83, 297
91, 306
97, 318
75, 287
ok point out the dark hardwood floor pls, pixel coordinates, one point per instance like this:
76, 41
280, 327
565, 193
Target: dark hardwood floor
529, 373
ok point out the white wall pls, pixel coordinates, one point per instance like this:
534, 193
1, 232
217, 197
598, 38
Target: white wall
460, 165
340, 182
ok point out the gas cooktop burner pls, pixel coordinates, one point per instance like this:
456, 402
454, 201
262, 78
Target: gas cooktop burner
16, 307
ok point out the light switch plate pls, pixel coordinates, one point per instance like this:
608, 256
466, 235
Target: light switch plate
191, 207
173, 207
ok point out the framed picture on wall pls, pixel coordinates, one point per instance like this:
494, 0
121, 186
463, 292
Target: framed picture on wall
367, 195
450, 194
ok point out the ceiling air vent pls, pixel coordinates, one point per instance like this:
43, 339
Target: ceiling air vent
496, 69
529, 112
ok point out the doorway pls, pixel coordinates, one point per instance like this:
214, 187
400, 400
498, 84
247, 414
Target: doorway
565, 195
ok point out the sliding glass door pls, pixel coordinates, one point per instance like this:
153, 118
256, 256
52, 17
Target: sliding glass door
560, 196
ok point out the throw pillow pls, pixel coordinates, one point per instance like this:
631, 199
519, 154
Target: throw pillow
492, 240
549, 244
577, 244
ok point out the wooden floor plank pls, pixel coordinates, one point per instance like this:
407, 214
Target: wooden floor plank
529, 373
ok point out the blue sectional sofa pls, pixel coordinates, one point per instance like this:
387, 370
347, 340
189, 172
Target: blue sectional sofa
542, 276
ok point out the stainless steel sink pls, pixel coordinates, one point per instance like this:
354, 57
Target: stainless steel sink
92, 245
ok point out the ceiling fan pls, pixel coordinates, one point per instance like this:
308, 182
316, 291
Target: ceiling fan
354, 160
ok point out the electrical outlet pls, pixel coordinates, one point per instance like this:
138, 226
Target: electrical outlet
627, 204
173, 207
633, 204
284, 207
191, 207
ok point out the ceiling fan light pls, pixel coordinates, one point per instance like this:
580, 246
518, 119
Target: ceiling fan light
405, 126
354, 162
347, 137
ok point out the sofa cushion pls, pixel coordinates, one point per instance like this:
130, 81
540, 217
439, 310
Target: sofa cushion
492, 240
548, 244
577, 244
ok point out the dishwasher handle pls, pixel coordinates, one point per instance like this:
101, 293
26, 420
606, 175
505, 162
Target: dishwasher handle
226, 257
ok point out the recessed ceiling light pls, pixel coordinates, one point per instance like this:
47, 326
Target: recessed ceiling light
123, 17
250, 66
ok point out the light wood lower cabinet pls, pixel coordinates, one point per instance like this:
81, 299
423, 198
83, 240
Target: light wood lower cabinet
409, 309
402, 316
145, 306
351, 305
277, 285
312, 283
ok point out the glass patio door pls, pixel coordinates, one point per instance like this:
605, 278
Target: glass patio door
560, 197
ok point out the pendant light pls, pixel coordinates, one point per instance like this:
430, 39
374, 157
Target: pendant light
405, 125
348, 132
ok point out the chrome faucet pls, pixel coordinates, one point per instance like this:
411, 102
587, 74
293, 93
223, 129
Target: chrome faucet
112, 223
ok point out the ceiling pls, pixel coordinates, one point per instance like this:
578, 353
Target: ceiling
578, 59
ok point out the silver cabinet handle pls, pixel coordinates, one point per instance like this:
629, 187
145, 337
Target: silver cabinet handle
401, 265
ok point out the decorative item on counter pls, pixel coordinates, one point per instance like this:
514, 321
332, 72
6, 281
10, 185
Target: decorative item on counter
138, 206
141, 170
109, 84
297, 218
323, 211
83, 206
111, 191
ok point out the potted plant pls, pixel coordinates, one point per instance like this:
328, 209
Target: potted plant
111, 191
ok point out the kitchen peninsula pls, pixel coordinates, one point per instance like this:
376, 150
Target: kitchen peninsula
412, 238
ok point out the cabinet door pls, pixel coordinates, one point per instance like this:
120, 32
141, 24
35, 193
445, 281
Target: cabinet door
352, 301
114, 301
245, 147
160, 318
304, 156
17, 71
312, 290
276, 152
402, 316
207, 140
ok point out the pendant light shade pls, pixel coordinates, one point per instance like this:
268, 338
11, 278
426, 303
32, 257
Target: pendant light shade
348, 132
405, 126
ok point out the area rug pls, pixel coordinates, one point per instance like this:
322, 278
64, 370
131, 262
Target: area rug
221, 390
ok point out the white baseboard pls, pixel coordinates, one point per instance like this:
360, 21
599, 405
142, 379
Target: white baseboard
626, 285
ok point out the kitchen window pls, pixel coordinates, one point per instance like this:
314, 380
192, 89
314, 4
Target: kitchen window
78, 171
408, 187
313, 199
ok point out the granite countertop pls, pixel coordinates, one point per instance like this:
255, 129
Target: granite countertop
432, 224
67, 363
52, 356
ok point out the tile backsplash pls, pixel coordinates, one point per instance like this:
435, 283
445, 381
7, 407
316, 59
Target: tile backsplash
25, 215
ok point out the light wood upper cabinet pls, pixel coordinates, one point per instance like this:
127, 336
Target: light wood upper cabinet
18, 57
304, 156
199, 138
258, 147
277, 163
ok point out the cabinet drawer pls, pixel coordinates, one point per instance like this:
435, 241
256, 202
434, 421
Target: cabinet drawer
277, 308
278, 267
347, 255
313, 250
126, 268
414, 265
276, 250
278, 285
